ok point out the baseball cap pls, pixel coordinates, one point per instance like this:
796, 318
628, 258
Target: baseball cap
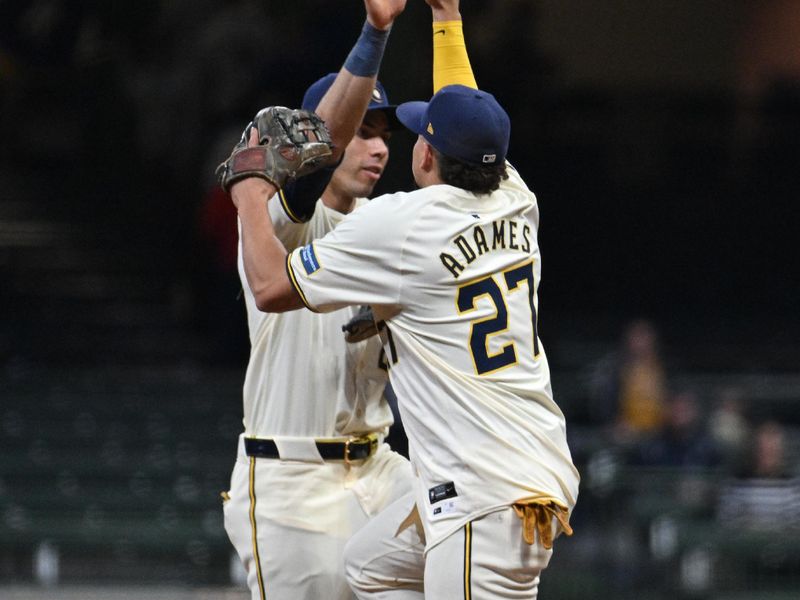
462, 123
378, 101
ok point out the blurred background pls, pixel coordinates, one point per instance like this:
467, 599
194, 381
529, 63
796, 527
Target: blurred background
663, 142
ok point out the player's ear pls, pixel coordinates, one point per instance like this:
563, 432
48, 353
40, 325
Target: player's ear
428, 159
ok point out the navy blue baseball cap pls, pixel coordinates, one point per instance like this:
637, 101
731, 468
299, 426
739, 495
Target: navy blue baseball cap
462, 123
378, 101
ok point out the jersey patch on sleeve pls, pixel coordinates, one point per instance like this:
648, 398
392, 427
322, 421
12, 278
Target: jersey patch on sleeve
309, 259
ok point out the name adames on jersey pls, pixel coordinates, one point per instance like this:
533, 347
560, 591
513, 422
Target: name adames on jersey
502, 234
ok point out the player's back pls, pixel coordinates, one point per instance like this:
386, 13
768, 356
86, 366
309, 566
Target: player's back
473, 267
454, 275
467, 364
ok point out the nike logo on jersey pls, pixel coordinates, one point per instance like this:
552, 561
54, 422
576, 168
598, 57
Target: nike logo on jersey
442, 31
442, 492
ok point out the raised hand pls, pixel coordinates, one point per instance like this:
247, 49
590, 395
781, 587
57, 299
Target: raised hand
282, 144
444, 10
382, 13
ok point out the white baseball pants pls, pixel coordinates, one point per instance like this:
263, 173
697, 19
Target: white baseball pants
486, 559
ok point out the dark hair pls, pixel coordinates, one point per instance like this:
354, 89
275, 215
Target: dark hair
478, 179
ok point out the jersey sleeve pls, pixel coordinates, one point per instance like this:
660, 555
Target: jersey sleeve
359, 262
514, 180
514, 184
298, 198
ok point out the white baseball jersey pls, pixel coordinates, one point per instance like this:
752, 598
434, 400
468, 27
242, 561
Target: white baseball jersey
289, 520
455, 277
303, 379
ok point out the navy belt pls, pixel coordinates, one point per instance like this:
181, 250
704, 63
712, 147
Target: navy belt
348, 450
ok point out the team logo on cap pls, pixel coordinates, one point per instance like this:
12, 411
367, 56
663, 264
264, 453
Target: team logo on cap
489, 158
376, 95
430, 128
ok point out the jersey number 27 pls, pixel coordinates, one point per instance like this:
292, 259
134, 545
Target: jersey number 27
483, 328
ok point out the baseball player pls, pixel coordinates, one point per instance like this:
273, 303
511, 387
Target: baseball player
312, 466
451, 271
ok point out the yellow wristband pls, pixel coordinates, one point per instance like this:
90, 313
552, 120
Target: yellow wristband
450, 61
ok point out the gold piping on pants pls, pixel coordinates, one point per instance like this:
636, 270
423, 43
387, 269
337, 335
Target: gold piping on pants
254, 529
467, 561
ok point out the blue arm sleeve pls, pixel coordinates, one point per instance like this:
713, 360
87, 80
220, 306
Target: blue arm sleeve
299, 197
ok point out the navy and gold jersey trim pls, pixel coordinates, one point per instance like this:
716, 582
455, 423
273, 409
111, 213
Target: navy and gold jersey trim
287, 209
296, 284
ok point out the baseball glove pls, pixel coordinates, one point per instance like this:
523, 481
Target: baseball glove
292, 143
361, 326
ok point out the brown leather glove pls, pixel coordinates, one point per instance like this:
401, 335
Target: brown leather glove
292, 143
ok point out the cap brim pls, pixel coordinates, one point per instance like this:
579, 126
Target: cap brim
391, 115
411, 114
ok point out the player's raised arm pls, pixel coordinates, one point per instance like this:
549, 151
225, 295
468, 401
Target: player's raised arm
342, 108
450, 60
263, 254
344, 105
451, 64
282, 144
